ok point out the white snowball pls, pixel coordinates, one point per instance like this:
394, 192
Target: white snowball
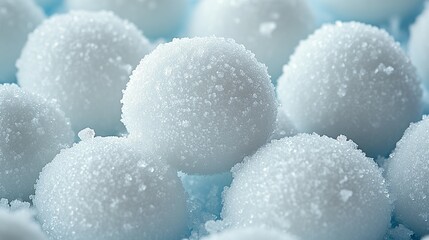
312, 187
18, 224
32, 131
250, 234
157, 18
419, 45
371, 11
103, 188
407, 173
18, 18
351, 79
270, 28
83, 60
203, 102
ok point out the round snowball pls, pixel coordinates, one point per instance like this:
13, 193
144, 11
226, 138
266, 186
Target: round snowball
370, 11
270, 28
419, 46
103, 188
351, 79
407, 173
18, 18
32, 131
19, 225
83, 60
205, 103
308, 180
157, 18
250, 234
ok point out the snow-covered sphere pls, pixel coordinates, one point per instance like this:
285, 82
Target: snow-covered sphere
204, 103
370, 11
83, 59
32, 131
156, 18
419, 45
270, 28
308, 180
407, 174
351, 79
104, 188
17, 19
251, 233
18, 224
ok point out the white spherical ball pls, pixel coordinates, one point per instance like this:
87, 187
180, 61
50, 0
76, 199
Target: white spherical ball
32, 131
308, 180
156, 18
250, 233
18, 18
205, 103
19, 225
419, 45
407, 173
83, 60
370, 11
352, 79
104, 188
270, 28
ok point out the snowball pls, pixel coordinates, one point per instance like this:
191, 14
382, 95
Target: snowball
419, 45
83, 60
157, 18
370, 11
18, 224
270, 28
308, 180
250, 234
351, 79
407, 173
18, 18
103, 188
204, 103
32, 131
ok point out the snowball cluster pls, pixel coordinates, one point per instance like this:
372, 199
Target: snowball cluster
312, 187
83, 60
32, 131
104, 188
351, 79
203, 103
271, 28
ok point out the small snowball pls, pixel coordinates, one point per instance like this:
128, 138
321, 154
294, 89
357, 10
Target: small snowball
407, 173
251, 233
104, 188
156, 18
204, 103
351, 79
32, 131
86, 134
419, 45
269, 28
83, 60
17, 19
312, 187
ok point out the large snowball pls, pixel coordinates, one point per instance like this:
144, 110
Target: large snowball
18, 18
203, 102
308, 180
370, 11
32, 131
103, 188
407, 173
83, 60
269, 28
250, 234
419, 45
351, 79
157, 18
